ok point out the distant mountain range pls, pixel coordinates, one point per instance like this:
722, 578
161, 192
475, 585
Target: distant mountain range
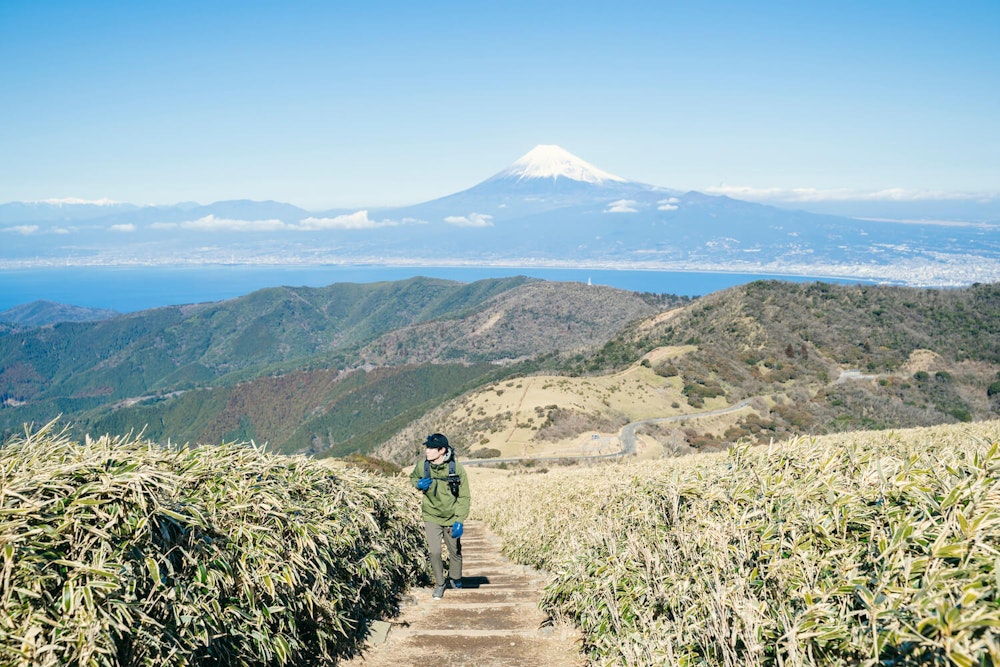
549, 208
43, 313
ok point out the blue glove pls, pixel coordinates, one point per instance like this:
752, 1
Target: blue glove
456, 529
424, 483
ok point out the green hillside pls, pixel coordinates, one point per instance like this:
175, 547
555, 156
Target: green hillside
927, 356
318, 412
41, 313
303, 369
347, 367
180, 346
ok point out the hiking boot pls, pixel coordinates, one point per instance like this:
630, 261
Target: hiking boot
438, 592
455, 583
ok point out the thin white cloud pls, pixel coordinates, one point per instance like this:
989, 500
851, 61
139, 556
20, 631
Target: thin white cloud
358, 220
128, 227
841, 194
212, 224
75, 201
622, 206
21, 229
471, 220
669, 204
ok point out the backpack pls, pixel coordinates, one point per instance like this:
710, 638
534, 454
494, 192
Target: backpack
454, 480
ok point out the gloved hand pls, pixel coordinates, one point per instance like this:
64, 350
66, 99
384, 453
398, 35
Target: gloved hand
424, 483
456, 529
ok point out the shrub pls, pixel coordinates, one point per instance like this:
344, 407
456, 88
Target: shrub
485, 453
863, 548
565, 423
961, 414
120, 552
666, 370
372, 464
704, 389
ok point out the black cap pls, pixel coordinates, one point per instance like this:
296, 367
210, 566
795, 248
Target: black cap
436, 441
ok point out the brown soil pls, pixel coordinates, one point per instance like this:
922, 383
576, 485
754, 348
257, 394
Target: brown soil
493, 620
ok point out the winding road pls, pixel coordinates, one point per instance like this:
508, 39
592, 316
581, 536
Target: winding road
626, 436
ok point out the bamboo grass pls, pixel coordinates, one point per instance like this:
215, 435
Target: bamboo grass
878, 548
118, 552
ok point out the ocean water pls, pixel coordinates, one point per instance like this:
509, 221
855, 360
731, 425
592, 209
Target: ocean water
129, 289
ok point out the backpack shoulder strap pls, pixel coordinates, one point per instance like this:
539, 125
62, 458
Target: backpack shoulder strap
454, 481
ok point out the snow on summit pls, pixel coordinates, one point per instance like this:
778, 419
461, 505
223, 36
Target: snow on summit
548, 161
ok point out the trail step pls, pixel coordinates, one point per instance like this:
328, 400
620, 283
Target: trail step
493, 621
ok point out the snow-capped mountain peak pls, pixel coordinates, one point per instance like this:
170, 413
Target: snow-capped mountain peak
549, 161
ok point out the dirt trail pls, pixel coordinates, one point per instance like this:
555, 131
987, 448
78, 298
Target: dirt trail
494, 620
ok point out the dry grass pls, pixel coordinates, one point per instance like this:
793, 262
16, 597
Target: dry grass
546, 415
119, 552
860, 549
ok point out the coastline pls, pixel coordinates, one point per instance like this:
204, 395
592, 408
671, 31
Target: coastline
134, 287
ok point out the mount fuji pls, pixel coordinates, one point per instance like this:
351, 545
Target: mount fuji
545, 162
548, 208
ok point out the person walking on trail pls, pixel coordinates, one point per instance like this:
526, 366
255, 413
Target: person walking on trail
445, 507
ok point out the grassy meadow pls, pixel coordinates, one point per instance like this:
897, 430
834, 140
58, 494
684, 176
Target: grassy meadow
868, 548
118, 552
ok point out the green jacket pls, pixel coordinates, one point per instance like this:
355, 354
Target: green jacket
439, 505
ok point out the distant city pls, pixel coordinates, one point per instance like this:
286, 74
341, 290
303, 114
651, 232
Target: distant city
954, 271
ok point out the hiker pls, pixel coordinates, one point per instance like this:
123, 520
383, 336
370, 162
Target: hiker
445, 507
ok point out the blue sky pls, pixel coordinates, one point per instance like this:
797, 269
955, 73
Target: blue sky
337, 104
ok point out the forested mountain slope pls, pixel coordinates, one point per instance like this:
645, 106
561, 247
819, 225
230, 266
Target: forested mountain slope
276, 364
348, 367
41, 313
833, 357
180, 347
